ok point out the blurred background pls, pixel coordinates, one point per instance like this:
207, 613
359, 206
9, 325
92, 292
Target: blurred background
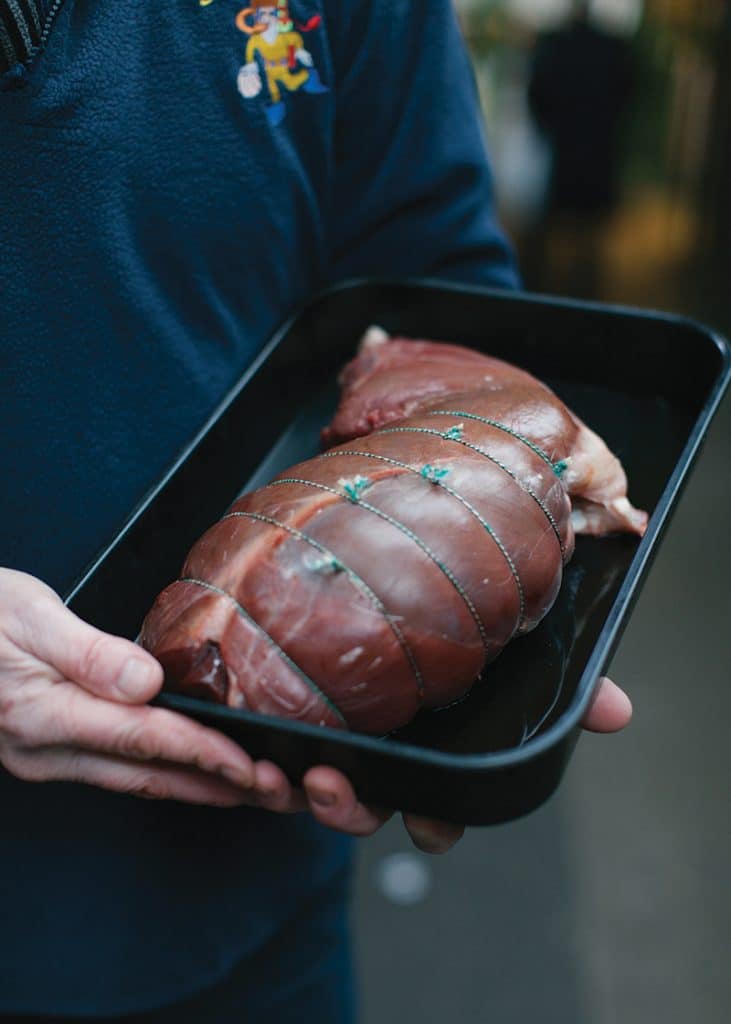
609, 125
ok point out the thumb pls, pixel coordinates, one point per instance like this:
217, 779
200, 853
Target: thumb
107, 666
432, 836
611, 709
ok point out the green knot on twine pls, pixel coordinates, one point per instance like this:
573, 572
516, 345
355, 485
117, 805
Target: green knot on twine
454, 433
354, 488
559, 468
433, 474
328, 565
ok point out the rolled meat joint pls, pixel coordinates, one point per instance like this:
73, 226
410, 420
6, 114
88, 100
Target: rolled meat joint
382, 576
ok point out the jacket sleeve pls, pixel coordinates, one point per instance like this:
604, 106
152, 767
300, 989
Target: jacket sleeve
413, 190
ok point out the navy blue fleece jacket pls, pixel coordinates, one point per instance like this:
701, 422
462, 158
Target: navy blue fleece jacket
173, 183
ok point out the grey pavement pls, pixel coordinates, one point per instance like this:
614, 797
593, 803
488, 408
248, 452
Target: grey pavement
612, 902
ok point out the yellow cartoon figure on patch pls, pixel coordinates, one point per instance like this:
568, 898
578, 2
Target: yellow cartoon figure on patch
279, 50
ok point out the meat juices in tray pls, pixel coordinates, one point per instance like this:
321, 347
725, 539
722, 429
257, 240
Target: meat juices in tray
381, 577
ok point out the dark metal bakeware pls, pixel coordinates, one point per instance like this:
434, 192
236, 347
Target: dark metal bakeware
648, 383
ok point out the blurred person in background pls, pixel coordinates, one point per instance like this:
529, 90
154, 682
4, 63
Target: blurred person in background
581, 83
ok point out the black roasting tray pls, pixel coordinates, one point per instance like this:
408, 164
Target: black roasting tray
648, 383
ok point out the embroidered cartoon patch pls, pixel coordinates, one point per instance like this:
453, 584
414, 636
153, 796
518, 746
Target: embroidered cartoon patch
275, 53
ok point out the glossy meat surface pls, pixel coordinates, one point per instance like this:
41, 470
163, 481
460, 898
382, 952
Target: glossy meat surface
384, 575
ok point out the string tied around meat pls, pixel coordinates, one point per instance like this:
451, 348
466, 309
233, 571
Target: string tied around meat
454, 433
560, 467
327, 565
434, 474
355, 486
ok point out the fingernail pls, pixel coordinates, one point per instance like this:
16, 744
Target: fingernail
321, 796
436, 847
136, 678
241, 777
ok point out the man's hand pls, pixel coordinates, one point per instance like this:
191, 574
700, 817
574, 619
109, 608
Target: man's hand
72, 707
334, 803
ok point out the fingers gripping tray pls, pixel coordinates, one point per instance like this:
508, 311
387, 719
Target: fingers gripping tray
647, 383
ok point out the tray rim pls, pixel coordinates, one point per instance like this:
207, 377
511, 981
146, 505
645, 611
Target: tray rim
609, 636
